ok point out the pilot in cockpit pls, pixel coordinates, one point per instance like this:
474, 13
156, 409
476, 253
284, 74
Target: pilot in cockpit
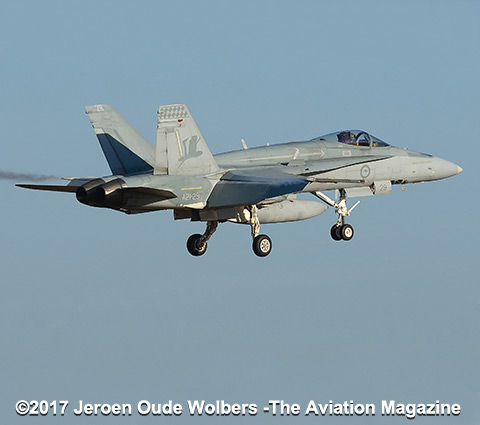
346, 137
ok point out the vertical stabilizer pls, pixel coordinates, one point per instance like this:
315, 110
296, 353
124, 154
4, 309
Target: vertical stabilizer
180, 147
124, 147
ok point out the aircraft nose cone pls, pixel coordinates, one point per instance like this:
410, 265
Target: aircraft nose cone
444, 168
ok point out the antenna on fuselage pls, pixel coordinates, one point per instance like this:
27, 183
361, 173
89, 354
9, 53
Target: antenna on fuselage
244, 144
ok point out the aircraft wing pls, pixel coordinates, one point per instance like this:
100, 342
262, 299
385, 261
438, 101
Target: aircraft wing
246, 187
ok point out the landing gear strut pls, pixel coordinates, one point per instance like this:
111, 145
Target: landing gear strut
197, 244
340, 230
262, 244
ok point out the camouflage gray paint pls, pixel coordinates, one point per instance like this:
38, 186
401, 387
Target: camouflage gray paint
247, 186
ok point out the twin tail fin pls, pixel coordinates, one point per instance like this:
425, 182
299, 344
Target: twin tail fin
126, 150
180, 148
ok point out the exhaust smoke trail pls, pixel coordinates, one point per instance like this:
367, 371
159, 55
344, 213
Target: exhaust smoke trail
8, 175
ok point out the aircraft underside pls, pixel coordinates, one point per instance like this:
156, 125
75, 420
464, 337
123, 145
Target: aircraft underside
248, 186
261, 243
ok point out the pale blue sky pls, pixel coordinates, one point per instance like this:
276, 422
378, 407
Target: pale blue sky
100, 306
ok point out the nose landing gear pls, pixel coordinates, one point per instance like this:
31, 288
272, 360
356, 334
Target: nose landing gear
341, 232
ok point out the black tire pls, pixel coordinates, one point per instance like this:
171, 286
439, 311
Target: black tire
262, 245
335, 233
192, 246
347, 232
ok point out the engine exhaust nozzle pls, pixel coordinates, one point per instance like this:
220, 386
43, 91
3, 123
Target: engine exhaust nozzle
97, 193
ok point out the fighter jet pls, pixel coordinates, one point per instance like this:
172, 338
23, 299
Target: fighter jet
248, 186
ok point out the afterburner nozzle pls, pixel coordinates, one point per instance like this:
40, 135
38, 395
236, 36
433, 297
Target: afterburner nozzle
97, 193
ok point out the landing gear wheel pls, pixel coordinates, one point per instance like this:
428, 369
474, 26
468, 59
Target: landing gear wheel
346, 232
262, 245
194, 247
335, 232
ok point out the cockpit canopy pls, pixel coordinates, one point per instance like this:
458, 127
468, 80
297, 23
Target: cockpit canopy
354, 138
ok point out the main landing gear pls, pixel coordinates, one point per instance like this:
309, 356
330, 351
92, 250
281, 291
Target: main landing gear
197, 244
340, 230
262, 244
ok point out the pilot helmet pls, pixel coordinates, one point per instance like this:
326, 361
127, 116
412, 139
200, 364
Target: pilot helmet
346, 137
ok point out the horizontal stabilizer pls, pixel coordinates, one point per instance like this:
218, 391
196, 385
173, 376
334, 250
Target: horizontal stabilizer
51, 188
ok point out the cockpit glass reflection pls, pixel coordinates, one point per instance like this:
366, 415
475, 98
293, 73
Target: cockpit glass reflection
353, 138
